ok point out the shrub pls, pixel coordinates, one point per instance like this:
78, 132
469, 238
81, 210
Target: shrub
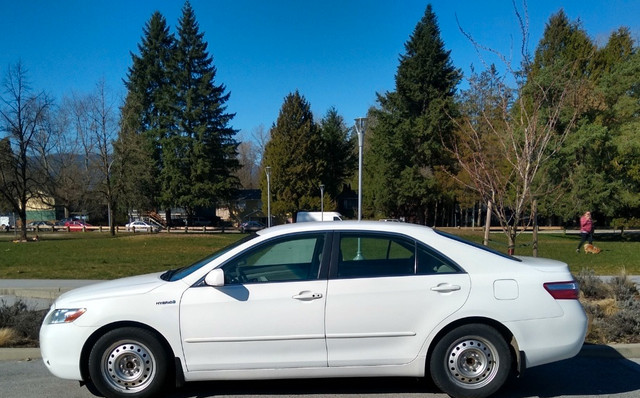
592, 286
613, 308
24, 322
624, 325
623, 289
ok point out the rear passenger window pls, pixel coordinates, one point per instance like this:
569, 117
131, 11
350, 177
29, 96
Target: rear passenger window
378, 255
432, 262
365, 255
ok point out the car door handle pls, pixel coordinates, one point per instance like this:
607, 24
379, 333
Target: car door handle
445, 288
307, 296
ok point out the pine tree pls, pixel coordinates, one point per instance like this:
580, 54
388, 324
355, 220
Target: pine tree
177, 113
621, 92
566, 57
411, 124
565, 47
147, 116
200, 154
293, 155
338, 157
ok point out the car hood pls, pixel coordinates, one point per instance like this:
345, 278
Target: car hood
544, 264
118, 287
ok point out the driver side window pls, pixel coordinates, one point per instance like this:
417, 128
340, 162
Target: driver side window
291, 258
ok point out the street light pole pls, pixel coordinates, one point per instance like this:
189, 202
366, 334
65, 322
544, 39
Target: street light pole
268, 171
360, 127
109, 194
321, 202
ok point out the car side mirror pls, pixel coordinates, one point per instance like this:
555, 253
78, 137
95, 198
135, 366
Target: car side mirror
215, 278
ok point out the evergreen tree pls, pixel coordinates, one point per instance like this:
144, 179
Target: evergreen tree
619, 48
338, 158
411, 125
563, 45
293, 153
621, 92
200, 152
177, 113
585, 167
148, 112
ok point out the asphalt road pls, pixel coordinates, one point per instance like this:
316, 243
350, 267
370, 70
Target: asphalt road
580, 377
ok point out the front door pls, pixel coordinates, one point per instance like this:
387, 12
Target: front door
269, 313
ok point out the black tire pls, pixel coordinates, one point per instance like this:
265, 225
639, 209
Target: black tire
472, 361
129, 362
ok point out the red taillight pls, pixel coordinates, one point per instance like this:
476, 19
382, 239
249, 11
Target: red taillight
563, 290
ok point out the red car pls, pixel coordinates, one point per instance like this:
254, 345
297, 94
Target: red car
76, 225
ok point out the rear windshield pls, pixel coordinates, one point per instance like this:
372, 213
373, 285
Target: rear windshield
476, 245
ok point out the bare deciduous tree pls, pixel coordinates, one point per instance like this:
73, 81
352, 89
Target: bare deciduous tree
512, 125
95, 125
22, 117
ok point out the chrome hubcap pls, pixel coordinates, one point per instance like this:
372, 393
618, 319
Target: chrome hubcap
129, 367
472, 363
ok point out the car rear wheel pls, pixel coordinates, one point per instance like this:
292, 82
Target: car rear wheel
472, 361
128, 362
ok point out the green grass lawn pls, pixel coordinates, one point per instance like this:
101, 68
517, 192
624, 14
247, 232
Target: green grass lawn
95, 255
618, 253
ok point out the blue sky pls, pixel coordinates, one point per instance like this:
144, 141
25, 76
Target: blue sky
336, 53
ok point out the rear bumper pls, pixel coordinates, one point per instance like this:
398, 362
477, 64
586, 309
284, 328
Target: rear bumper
553, 339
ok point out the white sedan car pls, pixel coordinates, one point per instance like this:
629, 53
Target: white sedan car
138, 226
318, 300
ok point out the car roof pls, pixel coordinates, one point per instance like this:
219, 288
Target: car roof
372, 226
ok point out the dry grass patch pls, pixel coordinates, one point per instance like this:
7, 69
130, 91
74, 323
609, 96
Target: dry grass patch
8, 337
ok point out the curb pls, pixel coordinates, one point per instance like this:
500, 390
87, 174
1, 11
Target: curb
20, 354
36, 293
610, 351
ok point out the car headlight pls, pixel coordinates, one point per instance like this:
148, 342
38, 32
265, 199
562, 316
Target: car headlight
66, 315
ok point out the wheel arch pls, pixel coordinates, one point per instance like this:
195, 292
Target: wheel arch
518, 357
175, 366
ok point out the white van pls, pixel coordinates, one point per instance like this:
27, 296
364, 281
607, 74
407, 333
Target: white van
306, 216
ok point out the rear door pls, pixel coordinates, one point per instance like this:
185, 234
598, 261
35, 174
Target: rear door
385, 294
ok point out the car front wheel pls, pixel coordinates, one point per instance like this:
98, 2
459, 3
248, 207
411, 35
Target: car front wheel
128, 362
472, 361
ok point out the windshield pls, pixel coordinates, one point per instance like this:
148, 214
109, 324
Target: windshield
177, 274
476, 245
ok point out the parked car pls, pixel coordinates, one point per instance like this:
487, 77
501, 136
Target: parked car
310, 216
76, 225
318, 300
197, 222
140, 225
251, 226
39, 225
61, 223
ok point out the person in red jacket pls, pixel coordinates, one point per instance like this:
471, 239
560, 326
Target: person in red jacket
586, 230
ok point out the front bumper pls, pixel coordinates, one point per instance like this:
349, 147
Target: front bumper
61, 347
